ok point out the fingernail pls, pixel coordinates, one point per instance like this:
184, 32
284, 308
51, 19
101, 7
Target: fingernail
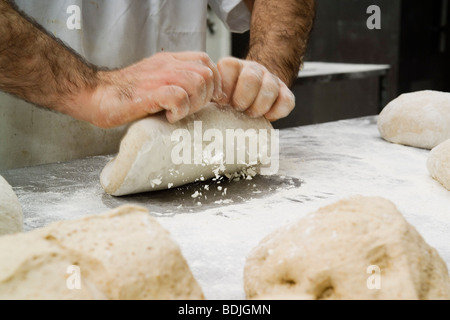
222, 98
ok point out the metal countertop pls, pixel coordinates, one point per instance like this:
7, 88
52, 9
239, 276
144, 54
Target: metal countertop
319, 164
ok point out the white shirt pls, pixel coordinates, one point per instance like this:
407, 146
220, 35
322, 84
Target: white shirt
116, 33
113, 33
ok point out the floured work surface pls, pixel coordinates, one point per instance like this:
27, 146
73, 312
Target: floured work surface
216, 225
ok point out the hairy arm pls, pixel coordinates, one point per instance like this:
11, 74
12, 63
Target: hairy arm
258, 86
38, 68
279, 33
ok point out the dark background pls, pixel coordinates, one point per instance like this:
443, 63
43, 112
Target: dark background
413, 40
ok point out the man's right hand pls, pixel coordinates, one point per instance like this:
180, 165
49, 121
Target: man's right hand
38, 68
177, 83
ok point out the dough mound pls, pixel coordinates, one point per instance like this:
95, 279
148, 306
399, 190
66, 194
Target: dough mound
327, 254
439, 163
122, 254
11, 217
144, 162
419, 119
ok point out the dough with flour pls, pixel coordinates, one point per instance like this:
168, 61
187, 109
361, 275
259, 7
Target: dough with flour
419, 119
11, 218
144, 162
122, 254
439, 163
331, 253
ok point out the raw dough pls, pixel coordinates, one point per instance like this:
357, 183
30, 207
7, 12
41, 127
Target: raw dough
419, 119
122, 254
327, 254
11, 218
439, 163
144, 162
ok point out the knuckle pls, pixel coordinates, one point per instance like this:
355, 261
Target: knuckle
204, 57
178, 94
228, 62
192, 81
200, 81
253, 64
207, 74
290, 100
172, 90
274, 80
287, 97
271, 88
268, 96
257, 66
175, 94
253, 74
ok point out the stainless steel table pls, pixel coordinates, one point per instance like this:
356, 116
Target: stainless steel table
319, 164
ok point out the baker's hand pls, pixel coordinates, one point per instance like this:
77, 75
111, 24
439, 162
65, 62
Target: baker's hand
251, 88
177, 83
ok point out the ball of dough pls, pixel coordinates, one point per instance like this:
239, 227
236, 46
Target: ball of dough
145, 163
11, 218
439, 163
122, 254
419, 119
334, 253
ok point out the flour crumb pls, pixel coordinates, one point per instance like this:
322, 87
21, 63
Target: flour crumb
226, 201
155, 182
196, 194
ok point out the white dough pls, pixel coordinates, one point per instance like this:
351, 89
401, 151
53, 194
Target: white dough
439, 163
359, 248
419, 119
122, 254
11, 218
144, 162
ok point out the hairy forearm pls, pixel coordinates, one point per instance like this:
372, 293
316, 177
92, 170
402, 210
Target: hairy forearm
279, 33
37, 67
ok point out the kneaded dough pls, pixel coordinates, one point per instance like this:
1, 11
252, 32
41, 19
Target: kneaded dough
144, 161
122, 254
419, 119
327, 255
11, 217
439, 163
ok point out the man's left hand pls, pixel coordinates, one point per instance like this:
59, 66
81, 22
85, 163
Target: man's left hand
251, 88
